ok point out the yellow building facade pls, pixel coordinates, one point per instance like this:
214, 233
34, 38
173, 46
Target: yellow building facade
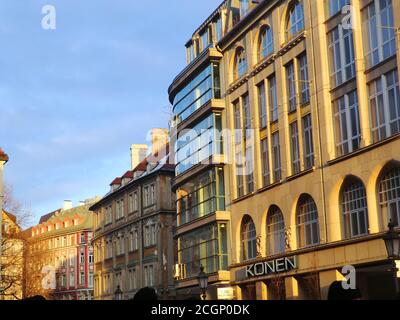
308, 92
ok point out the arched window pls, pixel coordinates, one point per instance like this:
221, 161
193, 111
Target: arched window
276, 242
307, 222
295, 22
389, 196
240, 63
266, 45
248, 238
354, 209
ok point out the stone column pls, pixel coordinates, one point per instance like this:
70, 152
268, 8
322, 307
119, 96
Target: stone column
238, 292
261, 290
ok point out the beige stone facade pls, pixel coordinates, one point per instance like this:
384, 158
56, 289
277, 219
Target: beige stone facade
316, 176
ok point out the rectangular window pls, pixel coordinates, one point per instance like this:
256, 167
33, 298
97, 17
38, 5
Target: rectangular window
341, 55
148, 235
308, 143
273, 98
262, 106
379, 31
276, 154
347, 124
265, 162
82, 260
248, 143
91, 279
91, 258
295, 149
384, 99
135, 239
238, 150
218, 29
82, 279
146, 195
304, 80
149, 276
291, 87
152, 194
72, 279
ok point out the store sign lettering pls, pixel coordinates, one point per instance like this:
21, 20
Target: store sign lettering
271, 267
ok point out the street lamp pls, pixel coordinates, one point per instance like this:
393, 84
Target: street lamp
118, 293
392, 243
203, 282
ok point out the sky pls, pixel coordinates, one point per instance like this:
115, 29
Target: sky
73, 99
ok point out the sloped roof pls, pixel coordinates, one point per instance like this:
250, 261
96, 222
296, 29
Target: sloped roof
46, 217
150, 165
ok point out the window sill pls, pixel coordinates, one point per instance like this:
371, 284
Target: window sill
364, 149
342, 85
300, 174
291, 42
380, 64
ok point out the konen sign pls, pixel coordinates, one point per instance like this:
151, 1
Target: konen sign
271, 267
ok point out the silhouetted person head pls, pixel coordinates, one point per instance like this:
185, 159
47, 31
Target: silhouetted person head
338, 292
146, 294
36, 298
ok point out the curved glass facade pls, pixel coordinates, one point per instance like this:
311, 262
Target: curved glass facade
207, 247
204, 87
197, 145
201, 196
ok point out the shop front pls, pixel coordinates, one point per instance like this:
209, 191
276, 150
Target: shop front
308, 274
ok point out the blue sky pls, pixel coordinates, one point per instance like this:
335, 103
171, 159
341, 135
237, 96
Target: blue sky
73, 100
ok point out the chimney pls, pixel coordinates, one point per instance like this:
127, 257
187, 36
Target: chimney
159, 138
67, 205
138, 154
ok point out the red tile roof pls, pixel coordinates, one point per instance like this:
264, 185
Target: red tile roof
116, 181
128, 174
